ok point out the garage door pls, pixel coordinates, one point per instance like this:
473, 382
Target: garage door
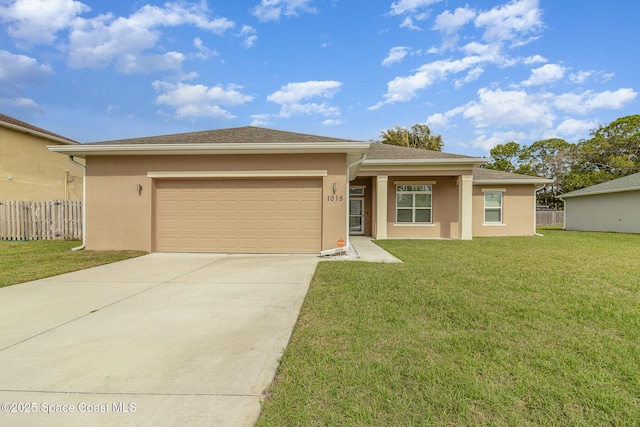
246, 216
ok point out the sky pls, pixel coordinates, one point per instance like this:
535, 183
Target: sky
479, 73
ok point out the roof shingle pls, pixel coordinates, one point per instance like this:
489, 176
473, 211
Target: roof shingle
627, 183
25, 125
247, 134
380, 151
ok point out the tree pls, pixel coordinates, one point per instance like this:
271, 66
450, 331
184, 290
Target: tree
418, 137
510, 157
548, 158
552, 159
612, 152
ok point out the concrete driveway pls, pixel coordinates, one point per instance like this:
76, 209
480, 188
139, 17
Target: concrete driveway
164, 339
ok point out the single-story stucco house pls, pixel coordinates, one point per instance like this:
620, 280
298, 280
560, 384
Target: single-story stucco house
259, 190
610, 206
28, 171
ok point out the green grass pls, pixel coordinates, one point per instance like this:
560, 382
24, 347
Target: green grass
540, 331
24, 261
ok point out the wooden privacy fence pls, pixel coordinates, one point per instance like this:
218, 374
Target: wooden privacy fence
550, 217
40, 220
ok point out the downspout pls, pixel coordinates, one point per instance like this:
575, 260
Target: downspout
347, 241
84, 203
564, 217
535, 212
349, 167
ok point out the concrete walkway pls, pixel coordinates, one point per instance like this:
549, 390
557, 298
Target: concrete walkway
363, 249
164, 339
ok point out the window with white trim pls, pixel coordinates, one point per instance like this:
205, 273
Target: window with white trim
493, 207
413, 204
356, 191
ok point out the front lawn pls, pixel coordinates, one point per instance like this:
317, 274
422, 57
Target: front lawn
493, 331
24, 261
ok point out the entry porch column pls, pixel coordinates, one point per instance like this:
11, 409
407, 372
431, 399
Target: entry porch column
381, 206
465, 198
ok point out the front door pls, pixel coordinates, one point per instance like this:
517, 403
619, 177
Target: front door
356, 216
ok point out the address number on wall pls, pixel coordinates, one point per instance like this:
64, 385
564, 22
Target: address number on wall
335, 198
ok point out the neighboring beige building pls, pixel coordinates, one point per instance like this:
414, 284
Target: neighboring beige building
258, 190
28, 170
612, 206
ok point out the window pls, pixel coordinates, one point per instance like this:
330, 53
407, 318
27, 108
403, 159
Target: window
356, 191
493, 207
413, 204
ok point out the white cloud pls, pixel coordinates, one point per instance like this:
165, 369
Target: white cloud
408, 6
573, 127
21, 69
589, 100
145, 64
535, 59
23, 103
489, 52
488, 142
332, 122
548, 73
308, 109
437, 120
508, 108
450, 23
408, 23
471, 76
510, 21
38, 21
99, 41
295, 92
580, 77
190, 101
179, 13
290, 98
249, 36
403, 89
203, 51
260, 120
271, 10
396, 54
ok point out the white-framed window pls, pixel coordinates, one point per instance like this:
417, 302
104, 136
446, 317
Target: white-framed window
493, 207
356, 191
413, 204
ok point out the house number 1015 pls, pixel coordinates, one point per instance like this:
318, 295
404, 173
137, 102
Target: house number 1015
335, 198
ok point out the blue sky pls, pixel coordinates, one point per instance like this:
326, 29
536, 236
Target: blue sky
479, 73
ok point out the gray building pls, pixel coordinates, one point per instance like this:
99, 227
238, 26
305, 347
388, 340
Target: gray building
611, 206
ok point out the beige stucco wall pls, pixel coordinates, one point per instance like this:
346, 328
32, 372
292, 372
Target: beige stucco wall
36, 173
614, 212
119, 218
518, 211
444, 210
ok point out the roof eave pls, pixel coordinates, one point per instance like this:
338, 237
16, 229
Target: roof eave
358, 148
595, 193
38, 133
471, 161
511, 181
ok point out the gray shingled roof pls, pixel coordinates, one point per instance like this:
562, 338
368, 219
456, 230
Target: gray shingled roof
380, 151
482, 174
247, 134
627, 183
25, 125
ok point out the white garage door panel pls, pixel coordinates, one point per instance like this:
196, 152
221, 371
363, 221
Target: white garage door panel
257, 216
